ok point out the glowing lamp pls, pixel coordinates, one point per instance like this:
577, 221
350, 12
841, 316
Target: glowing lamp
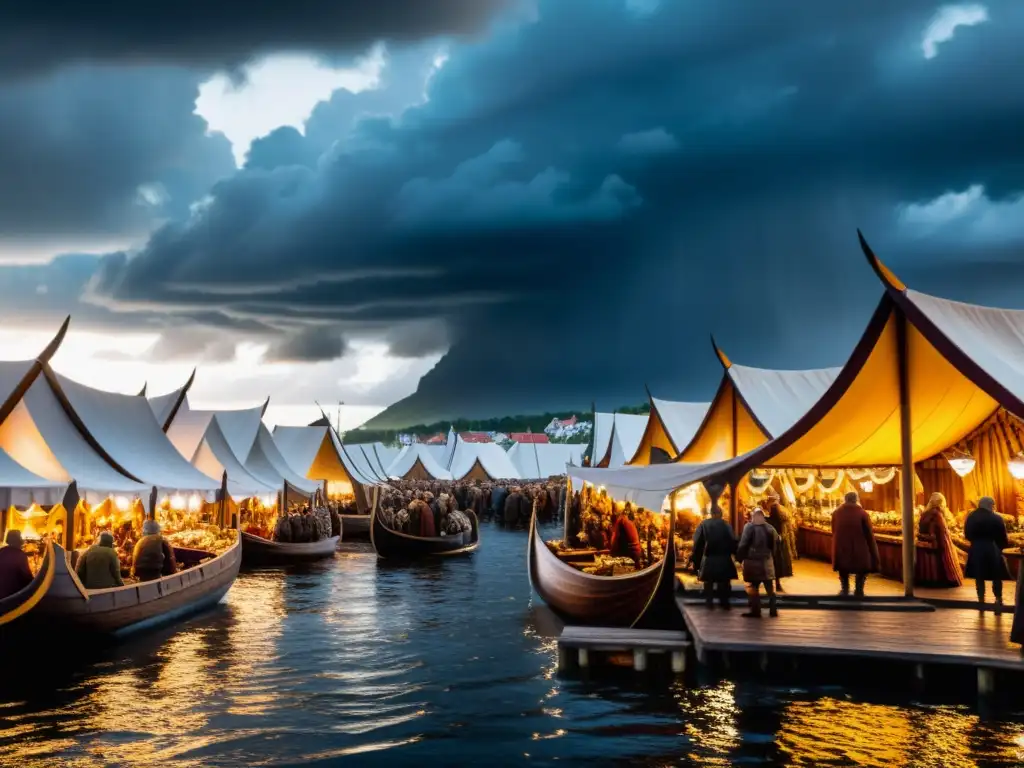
177, 501
962, 464
194, 503
121, 502
268, 500
1016, 466
867, 486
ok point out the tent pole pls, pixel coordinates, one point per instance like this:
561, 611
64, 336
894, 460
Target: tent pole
152, 503
734, 516
906, 454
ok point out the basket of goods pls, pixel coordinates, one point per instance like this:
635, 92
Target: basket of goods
211, 538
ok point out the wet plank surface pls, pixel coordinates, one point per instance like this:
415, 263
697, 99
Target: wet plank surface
610, 638
945, 636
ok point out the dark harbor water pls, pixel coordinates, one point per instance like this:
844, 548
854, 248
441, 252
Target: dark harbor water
352, 662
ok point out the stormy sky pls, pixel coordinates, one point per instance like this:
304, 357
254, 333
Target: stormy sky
553, 201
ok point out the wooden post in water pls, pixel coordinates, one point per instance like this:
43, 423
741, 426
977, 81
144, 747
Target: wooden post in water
906, 452
639, 659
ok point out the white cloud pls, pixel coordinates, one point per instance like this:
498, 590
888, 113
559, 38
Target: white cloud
944, 24
655, 141
279, 90
966, 216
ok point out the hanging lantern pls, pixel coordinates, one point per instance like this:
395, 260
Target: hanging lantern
867, 486
962, 463
1016, 466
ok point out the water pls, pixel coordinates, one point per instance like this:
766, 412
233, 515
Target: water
352, 662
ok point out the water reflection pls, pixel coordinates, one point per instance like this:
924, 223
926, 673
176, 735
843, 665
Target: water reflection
446, 662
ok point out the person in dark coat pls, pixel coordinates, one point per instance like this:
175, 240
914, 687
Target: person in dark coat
854, 550
714, 545
778, 518
498, 496
986, 532
15, 572
515, 504
153, 556
757, 543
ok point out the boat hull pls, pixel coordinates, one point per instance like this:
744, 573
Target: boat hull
135, 607
259, 551
610, 601
355, 526
13, 608
401, 546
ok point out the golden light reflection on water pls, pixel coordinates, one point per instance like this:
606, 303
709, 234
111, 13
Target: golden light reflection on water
710, 722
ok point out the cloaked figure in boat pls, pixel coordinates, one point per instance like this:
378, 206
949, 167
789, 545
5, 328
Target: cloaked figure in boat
153, 556
98, 567
755, 552
986, 531
15, 572
714, 545
625, 538
854, 549
943, 570
779, 519
421, 518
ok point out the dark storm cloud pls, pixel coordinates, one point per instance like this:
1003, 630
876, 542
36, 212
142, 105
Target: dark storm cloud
589, 195
308, 345
45, 34
90, 153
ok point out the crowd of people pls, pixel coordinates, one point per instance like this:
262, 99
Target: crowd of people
508, 502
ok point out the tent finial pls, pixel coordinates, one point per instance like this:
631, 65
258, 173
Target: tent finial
884, 273
722, 357
142, 392
51, 349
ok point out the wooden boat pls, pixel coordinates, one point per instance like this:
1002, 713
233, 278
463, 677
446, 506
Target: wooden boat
259, 551
355, 526
398, 545
611, 601
13, 607
133, 607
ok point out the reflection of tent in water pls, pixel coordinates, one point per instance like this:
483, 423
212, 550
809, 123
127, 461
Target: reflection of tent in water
925, 375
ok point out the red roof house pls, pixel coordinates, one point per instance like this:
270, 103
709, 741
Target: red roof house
474, 437
528, 437
438, 439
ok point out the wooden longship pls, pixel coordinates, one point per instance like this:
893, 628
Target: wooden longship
259, 551
612, 601
403, 546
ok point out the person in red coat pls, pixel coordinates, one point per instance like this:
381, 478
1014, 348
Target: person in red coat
625, 539
854, 550
15, 573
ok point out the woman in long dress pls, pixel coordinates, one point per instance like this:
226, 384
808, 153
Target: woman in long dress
943, 570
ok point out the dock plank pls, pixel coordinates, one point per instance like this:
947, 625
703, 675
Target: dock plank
611, 638
946, 636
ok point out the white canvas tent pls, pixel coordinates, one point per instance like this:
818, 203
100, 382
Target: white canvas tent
537, 461
415, 461
314, 453
481, 461
372, 457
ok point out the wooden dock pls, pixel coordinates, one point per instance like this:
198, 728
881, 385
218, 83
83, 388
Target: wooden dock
941, 637
641, 642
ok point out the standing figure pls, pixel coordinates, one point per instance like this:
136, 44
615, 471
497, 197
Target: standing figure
778, 518
15, 572
714, 545
625, 538
932, 528
854, 549
986, 532
757, 543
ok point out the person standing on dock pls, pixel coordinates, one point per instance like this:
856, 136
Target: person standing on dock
714, 545
778, 518
757, 543
986, 531
854, 549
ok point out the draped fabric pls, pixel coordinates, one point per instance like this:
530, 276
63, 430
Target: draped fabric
998, 440
938, 477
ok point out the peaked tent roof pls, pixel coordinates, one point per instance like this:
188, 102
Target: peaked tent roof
491, 458
124, 425
670, 426
604, 423
416, 461
960, 362
266, 463
536, 461
165, 407
372, 458
751, 406
355, 461
627, 432
312, 452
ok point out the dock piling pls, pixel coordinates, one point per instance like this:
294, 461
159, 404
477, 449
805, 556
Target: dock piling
678, 662
639, 659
